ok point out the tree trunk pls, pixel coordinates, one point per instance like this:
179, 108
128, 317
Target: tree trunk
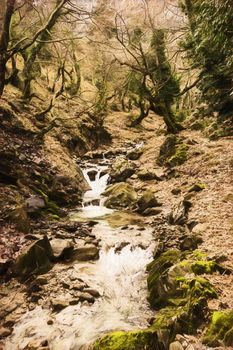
172, 126
4, 39
2, 73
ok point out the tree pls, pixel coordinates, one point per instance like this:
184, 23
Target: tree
151, 81
210, 51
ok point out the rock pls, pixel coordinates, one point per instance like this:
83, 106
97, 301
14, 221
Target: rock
67, 190
122, 169
85, 253
220, 329
20, 218
147, 200
190, 242
120, 246
173, 152
36, 259
59, 304
4, 265
134, 154
5, 332
152, 211
86, 297
145, 174
176, 191
34, 204
197, 187
61, 248
92, 292
92, 174
78, 286
176, 346
121, 195
179, 213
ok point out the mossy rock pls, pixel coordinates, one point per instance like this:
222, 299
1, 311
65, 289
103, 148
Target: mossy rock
135, 340
122, 169
36, 259
206, 267
147, 200
220, 329
173, 152
180, 155
197, 187
120, 195
168, 284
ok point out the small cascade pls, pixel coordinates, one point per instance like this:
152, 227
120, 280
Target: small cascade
97, 178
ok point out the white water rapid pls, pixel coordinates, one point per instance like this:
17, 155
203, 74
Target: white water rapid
119, 276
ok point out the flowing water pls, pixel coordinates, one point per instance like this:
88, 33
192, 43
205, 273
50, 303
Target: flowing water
118, 275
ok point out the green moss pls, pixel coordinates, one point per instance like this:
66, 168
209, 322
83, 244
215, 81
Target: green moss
201, 267
197, 187
159, 265
173, 152
180, 155
220, 329
135, 340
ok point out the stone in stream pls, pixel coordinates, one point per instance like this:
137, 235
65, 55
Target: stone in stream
92, 292
59, 304
121, 195
122, 169
4, 332
85, 253
86, 297
92, 174
61, 248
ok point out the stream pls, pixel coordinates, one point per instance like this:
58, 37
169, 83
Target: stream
118, 275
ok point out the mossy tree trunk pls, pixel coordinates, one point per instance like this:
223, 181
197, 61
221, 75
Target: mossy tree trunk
8, 10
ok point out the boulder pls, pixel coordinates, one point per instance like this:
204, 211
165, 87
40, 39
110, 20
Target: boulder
34, 204
122, 169
121, 195
36, 259
59, 304
173, 152
20, 218
145, 174
92, 174
134, 154
179, 214
85, 253
147, 200
61, 248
